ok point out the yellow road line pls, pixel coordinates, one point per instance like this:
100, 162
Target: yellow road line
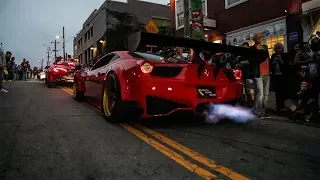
67, 90
202, 159
171, 154
176, 157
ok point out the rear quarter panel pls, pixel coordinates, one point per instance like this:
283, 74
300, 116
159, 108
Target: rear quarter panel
126, 71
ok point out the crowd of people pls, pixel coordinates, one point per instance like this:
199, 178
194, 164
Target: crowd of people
294, 76
11, 71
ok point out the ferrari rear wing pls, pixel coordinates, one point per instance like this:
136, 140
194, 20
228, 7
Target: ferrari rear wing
139, 40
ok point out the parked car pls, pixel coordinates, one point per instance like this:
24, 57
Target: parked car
42, 75
60, 73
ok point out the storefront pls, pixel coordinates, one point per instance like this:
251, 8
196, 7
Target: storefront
273, 31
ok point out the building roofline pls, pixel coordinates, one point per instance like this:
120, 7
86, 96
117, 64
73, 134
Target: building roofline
143, 1
158, 17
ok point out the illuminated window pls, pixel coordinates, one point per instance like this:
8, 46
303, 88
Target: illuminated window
271, 42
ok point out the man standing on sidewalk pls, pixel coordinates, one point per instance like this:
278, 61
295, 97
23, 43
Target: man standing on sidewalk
261, 80
24, 68
2, 65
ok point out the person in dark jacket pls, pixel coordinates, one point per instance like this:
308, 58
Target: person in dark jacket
244, 65
302, 100
279, 72
260, 70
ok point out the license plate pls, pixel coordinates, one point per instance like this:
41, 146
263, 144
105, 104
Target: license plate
206, 92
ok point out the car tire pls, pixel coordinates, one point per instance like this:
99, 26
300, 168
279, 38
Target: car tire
120, 111
78, 96
51, 84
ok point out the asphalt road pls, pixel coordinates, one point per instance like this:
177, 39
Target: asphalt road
45, 134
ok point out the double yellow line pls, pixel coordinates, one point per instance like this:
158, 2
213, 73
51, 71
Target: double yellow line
150, 137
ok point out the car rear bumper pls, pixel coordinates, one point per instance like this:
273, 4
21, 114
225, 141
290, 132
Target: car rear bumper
68, 78
160, 98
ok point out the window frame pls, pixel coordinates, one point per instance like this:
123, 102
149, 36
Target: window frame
205, 12
103, 58
227, 5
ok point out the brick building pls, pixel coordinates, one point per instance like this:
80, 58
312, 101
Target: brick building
285, 21
90, 42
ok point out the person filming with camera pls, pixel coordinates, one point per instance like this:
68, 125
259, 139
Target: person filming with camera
303, 100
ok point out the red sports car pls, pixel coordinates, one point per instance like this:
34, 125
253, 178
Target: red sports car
130, 84
60, 72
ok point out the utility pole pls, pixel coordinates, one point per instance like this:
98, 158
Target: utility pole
64, 45
186, 14
41, 63
55, 49
48, 56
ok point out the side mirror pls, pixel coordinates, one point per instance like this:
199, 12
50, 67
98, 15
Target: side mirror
78, 67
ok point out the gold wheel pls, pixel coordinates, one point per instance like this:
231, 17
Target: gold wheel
74, 89
106, 102
109, 97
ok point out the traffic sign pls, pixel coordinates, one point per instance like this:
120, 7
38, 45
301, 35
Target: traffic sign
151, 27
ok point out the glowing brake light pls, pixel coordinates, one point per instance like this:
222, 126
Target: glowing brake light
237, 74
146, 68
58, 69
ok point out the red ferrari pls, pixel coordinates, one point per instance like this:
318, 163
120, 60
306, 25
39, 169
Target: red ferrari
130, 84
59, 73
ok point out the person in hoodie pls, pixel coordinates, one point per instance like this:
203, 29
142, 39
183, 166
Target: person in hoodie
2, 65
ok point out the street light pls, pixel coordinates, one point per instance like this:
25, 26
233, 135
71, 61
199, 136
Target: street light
57, 37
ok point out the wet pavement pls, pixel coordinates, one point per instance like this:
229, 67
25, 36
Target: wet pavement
45, 134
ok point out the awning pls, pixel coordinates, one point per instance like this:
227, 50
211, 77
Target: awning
310, 6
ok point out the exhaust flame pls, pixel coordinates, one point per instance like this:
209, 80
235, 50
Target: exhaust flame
217, 112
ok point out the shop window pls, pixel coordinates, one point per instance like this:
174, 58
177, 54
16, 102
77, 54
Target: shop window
231, 3
271, 42
180, 12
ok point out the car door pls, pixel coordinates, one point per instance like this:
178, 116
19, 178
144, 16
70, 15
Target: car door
102, 73
91, 77
92, 84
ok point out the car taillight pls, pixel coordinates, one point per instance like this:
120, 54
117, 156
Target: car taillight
237, 73
146, 68
58, 69
72, 64
233, 74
